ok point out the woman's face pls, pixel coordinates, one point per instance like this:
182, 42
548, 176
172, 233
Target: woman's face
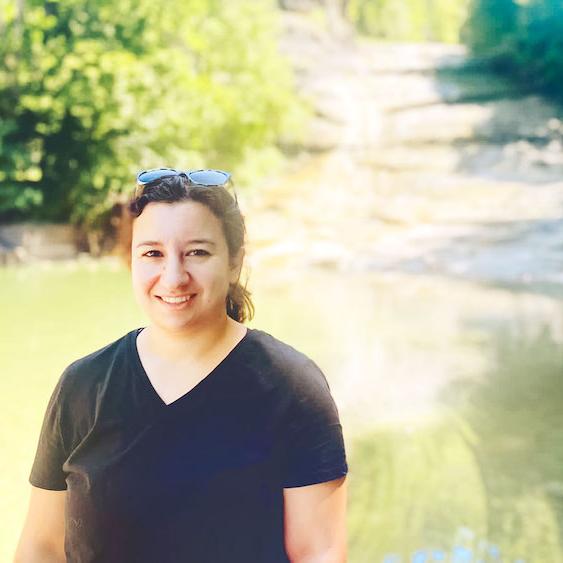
180, 265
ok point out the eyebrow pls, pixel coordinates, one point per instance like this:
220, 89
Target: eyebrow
193, 241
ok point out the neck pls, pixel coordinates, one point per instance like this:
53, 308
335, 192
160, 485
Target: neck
180, 345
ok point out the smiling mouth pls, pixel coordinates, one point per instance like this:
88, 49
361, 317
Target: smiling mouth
175, 300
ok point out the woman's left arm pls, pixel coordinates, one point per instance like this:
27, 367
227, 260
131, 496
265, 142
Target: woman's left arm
315, 522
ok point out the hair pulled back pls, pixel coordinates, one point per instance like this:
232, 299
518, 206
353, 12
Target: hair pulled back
221, 203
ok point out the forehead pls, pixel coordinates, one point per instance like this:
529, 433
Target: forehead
183, 220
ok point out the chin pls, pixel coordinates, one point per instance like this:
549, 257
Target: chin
173, 326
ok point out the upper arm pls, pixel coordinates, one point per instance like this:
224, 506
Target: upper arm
44, 527
315, 521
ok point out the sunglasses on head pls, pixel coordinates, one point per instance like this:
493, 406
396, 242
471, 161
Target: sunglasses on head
204, 178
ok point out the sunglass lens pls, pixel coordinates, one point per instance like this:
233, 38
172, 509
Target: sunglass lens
152, 175
209, 177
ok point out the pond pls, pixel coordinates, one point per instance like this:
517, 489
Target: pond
450, 395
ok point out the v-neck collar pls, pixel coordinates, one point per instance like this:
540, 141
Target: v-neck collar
197, 390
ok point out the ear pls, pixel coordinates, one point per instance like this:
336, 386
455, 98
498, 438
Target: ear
236, 266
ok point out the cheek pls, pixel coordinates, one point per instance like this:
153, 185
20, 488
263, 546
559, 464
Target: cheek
216, 279
143, 275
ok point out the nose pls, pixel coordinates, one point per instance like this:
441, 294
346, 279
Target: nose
174, 273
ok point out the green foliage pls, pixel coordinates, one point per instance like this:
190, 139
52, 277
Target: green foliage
490, 24
93, 90
524, 39
409, 20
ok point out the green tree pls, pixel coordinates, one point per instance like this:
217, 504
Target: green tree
93, 90
409, 20
524, 39
491, 25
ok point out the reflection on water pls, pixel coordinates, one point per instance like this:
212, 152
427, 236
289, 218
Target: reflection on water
451, 397
444, 493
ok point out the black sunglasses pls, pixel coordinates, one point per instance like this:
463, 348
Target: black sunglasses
203, 178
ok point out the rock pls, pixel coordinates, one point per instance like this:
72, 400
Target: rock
31, 241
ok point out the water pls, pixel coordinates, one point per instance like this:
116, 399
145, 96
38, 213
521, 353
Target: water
450, 395
438, 315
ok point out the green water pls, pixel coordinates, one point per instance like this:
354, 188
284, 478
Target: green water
450, 394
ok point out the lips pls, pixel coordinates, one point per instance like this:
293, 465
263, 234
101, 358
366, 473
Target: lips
176, 301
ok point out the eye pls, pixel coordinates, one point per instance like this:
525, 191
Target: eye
198, 252
152, 253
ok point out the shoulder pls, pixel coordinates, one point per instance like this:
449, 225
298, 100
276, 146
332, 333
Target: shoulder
282, 363
91, 370
302, 407
275, 350
75, 399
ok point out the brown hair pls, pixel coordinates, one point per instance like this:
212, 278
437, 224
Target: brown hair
221, 203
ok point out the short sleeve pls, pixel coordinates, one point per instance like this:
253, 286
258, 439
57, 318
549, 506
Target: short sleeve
314, 444
47, 470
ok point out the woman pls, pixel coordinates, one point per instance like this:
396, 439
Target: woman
194, 439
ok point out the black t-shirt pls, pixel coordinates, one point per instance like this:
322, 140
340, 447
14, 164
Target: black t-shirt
199, 480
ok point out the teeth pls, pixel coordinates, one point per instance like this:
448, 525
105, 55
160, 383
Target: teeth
176, 299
